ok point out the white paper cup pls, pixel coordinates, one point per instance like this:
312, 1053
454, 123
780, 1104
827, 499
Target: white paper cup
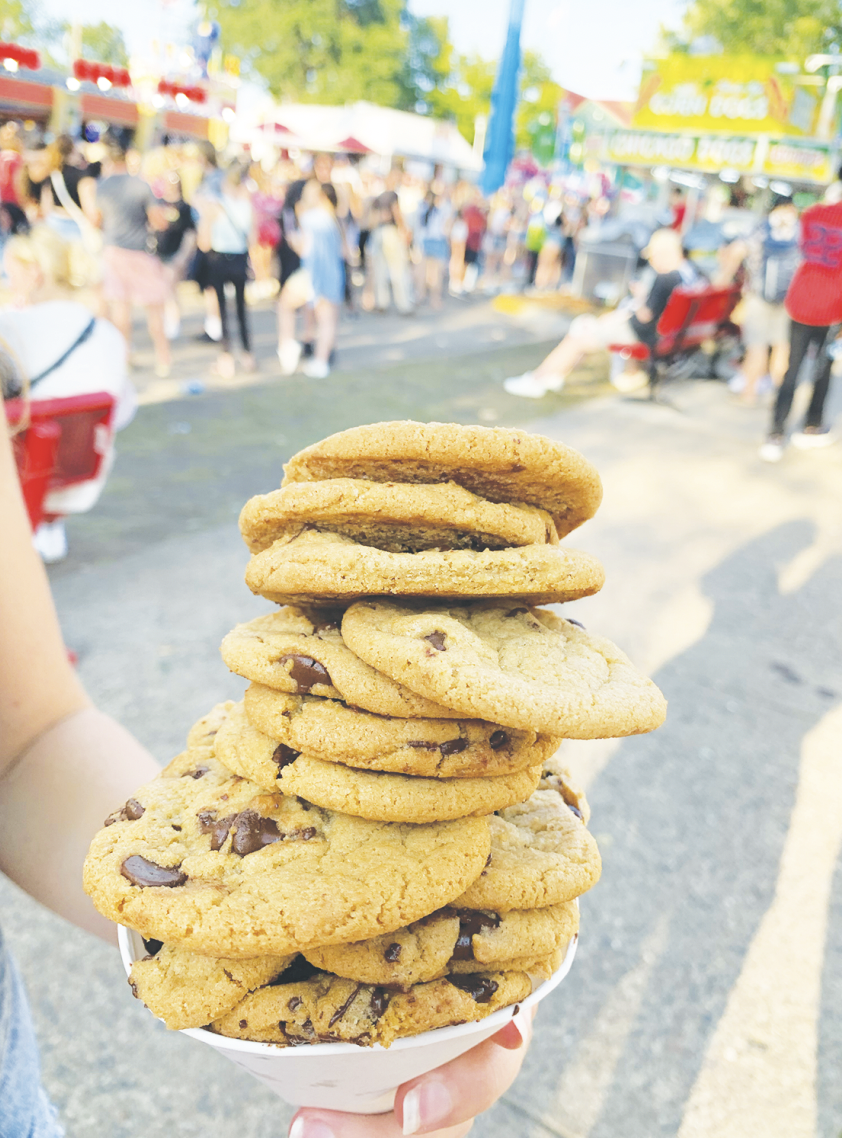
343, 1076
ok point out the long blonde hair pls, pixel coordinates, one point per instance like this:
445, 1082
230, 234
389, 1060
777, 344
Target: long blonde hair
43, 248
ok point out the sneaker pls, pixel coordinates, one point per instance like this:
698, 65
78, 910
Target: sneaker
811, 437
530, 386
316, 369
50, 540
628, 381
773, 449
289, 353
213, 328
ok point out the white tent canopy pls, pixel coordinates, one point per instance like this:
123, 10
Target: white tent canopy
381, 130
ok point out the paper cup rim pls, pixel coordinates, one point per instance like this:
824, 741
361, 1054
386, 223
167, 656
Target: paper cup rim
498, 1019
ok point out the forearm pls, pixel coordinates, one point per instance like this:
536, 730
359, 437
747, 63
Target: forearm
55, 797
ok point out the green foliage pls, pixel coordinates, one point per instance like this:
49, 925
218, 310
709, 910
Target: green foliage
16, 20
793, 28
105, 43
543, 96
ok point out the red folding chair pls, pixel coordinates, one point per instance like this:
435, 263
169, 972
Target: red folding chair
64, 443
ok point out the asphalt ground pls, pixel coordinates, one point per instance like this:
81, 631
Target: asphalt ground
706, 999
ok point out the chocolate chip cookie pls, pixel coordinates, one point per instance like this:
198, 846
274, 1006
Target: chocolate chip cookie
326, 568
511, 664
451, 940
301, 650
397, 517
385, 797
497, 463
327, 729
325, 1008
541, 854
187, 990
209, 861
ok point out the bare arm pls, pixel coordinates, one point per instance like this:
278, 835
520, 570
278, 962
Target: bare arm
63, 765
87, 199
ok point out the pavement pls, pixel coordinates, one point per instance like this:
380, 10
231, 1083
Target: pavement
706, 998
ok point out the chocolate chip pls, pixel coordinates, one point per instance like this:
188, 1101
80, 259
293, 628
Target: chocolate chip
134, 810
340, 1012
304, 835
197, 772
515, 1010
392, 953
252, 832
326, 623
218, 828
498, 739
471, 923
243, 1024
453, 746
295, 1003
578, 623
147, 874
488, 861
575, 810
306, 672
175, 827
153, 947
422, 745
284, 755
437, 640
479, 988
379, 1002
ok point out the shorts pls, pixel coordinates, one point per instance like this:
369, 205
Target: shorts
436, 247
597, 332
471, 256
765, 325
134, 277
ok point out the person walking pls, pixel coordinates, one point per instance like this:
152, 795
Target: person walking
434, 219
814, 304
225, 228
175, 247
131, 274
389, 248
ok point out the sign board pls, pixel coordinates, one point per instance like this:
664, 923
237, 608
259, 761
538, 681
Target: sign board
725, 94
710, 153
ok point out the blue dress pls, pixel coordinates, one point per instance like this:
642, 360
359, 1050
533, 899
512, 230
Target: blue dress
25, 1111
323, 257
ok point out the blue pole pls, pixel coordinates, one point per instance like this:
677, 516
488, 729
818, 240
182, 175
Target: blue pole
500, 140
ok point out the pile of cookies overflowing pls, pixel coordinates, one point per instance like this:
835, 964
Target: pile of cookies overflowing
378, 840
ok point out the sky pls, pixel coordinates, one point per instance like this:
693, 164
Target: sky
593, 47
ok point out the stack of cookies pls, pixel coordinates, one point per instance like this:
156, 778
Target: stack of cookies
378, 840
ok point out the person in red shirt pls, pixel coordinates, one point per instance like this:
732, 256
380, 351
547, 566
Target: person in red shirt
814, 303
475, 219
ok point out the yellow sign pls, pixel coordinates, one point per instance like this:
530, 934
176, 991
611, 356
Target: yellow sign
711, 153
725, 94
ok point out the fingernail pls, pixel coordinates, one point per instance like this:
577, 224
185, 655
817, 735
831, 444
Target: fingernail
425, 1106
310, 1128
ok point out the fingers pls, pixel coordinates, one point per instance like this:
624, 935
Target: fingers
332, 1124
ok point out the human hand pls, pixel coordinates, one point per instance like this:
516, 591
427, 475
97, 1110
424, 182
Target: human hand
442, 1103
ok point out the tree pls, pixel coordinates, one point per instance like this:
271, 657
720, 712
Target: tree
793, 28
329, 51
16, 20
540, 96
105, 43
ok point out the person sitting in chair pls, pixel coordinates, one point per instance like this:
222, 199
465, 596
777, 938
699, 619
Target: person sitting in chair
633, 322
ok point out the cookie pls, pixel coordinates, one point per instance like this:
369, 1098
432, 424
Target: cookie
394, 516
510, 664
319, 568
538, 967
187, 990
384, 797
326, 729
541, 854
497, 463
327, 1008
555, 776
301, 650
209, 861
451, 940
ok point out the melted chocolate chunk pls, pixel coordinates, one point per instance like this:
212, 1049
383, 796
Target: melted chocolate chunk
578, 623
295, 1003
147, 874
379, 1002
327, 622
479, 988
198, 772
306, 672
340, 1012
303, 835
218, 828
295, 973
128, 813
498, 739
392, 953
575, 810
153, 947
471, 923
252, 832
243, 1024
284, 755
516, 612
437, 640
422, 745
